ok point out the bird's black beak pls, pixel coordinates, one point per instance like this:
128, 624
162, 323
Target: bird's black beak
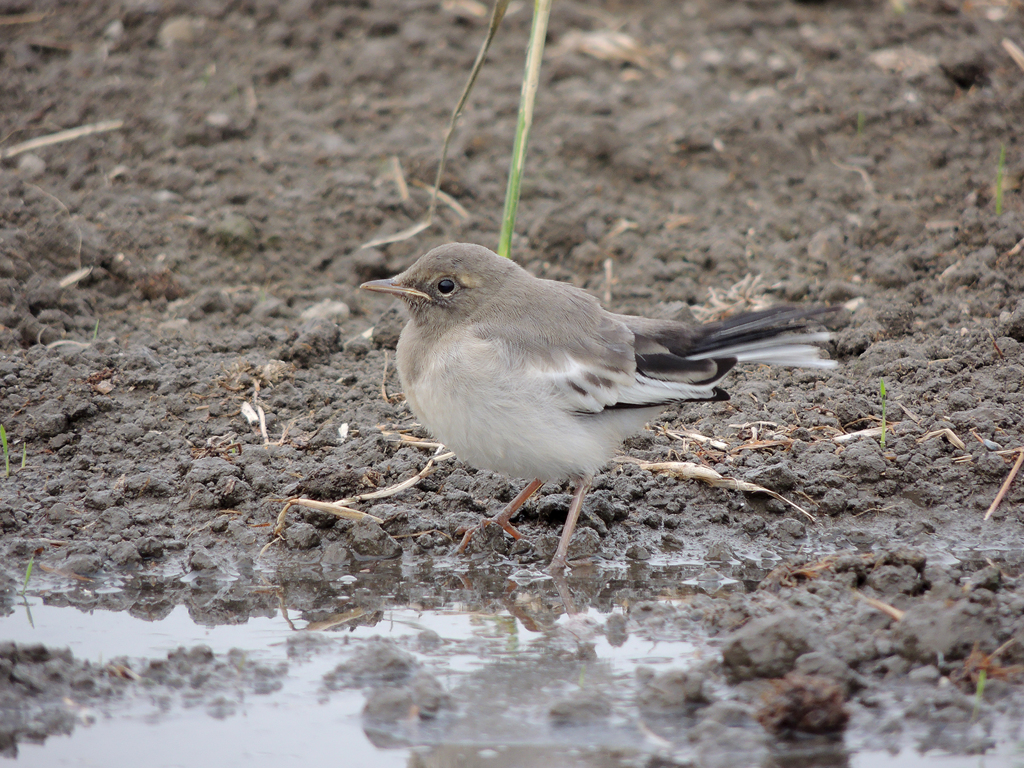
390, 286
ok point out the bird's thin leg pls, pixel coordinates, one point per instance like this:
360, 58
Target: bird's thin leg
558, 563
503, 517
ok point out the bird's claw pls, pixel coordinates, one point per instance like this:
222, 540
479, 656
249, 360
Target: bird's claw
473, 530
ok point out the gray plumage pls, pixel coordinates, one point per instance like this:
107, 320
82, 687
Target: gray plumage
533, 378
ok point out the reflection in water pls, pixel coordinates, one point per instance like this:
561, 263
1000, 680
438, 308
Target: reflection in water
429, 664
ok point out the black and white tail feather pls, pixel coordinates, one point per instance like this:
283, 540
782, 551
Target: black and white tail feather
675, 362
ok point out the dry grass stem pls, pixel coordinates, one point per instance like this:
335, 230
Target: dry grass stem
609, 279
331, 507
384, 380
678, 220
947, 433
869, 186
497, 14
75, 277
334, 621
22, 18
686, 470
404, 234
261, 414
1014, 50
249, 413
1006, 483
872, 432
891, 611
445, 198
61, 136
745, 296
606, 45
620, 226
410, 440
399, 178
910, 414
341, 508
686, 434
466, 9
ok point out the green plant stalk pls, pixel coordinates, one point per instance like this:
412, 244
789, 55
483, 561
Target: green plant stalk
881, 389
531, 79
860, 123
28, 575
7, 457
1000, 172
979, 693
96, 330
24, 454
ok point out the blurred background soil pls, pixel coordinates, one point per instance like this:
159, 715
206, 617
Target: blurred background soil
688, 159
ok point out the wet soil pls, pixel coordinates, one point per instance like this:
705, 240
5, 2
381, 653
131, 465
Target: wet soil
204, 256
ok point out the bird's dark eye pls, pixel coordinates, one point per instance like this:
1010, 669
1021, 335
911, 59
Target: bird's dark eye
446, 286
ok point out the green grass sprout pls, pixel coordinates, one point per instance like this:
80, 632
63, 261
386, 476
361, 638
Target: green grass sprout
531, 78
28, 574
7, 456
1000, 172
881, 391
861, 119
96, 329
24, 454
979, 693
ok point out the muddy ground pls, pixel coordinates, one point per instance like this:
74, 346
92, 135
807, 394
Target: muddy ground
723, 156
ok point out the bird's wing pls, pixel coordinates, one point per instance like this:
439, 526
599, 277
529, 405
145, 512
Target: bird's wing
598, 365
583, 362
589, 360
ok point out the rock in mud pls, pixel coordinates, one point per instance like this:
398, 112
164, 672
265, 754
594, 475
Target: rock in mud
766, 647
804, 704
424, 698
821, 664
582, 708
932, 632
316, 342
378, 662
675, 692
388, 328
301, 536
368, 540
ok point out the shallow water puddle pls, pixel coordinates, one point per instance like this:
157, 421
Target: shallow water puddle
507, 674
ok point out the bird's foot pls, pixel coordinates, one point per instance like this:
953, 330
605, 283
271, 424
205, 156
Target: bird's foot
472, 531
558, 566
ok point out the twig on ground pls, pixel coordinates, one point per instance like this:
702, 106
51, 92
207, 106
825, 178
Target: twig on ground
341, 508
869, 432
399, 177
686, 470
947, 433
868, 184
22, 18
384, 380
445, 198
891, 611
1014, 50
1006, 483
61, 136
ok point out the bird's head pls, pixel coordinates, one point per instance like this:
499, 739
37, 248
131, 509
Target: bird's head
450, 284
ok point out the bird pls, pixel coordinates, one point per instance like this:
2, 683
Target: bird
533, 378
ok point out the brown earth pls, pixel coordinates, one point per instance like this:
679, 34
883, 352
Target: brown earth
723, 156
